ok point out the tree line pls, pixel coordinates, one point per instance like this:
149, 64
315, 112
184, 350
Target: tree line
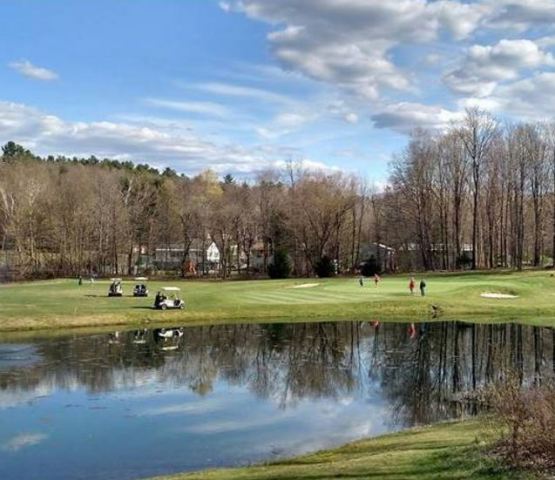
70, 216
480, 194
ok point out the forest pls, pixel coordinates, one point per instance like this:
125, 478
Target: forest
478, 195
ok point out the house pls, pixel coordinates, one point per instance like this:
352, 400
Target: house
385, 256
204, 256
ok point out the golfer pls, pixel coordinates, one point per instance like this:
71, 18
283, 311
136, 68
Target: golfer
422, 287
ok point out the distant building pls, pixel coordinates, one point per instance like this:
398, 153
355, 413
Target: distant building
200, 254
386, 257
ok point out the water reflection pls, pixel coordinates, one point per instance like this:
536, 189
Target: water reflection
226, 395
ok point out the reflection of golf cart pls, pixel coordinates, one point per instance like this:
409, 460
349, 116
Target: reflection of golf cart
168, 298
140, 289
168, 332
115, 290
168, 338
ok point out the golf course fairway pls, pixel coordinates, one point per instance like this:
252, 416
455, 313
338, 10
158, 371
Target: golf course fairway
526, 297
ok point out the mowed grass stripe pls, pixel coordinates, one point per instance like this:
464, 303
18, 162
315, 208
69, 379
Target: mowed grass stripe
283, 298
305, 297
274, 298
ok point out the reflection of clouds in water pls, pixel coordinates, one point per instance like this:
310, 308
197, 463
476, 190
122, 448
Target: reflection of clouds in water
17, 355
23, 440
240, 424
198, 408
17, 397
329, 425
336, 424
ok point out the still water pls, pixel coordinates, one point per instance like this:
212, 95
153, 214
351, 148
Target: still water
134, 404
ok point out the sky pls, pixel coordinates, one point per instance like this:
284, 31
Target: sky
243, 86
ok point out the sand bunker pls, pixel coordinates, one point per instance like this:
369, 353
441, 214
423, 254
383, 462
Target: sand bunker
497, 295
306, 285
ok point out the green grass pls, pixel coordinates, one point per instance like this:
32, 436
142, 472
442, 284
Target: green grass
449, 451
62, 303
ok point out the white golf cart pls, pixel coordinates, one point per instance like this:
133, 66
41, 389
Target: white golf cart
140, 289
168, 298
116, 289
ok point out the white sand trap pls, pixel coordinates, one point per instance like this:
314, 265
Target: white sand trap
306, 285
497, 295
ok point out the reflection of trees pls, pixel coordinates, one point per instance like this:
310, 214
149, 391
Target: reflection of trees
425, 378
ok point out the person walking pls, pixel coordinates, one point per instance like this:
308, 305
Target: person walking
422, 287
376, 279
412, 284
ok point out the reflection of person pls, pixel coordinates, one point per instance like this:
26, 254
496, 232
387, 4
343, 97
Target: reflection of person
422, 287
412, 284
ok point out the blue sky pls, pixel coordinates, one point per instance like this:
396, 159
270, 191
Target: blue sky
241, 86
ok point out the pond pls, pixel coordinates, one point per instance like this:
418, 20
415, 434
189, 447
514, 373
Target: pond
135, 404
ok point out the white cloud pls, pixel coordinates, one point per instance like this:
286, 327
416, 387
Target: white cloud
521, 14
348, 42
225, 6
351, 117
23, 440
231, 90
25, 67
530, 98
484, 67
179, 148
432, 58
285, 123
405, 116
200, 108
341, 109
308, 165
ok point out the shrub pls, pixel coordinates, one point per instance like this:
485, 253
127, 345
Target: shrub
527, 416
280, 267
370, 267
325, 267
464, 260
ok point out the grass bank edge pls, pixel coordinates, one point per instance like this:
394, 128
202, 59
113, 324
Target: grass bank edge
449, 450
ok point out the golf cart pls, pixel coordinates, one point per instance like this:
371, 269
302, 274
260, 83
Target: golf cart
116, 289
140, 289
168, 298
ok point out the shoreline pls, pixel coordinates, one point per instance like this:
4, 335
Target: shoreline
87, 323
446, 450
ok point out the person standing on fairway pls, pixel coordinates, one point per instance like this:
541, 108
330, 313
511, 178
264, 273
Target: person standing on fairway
376, 279
422, 287
412, 284
361, 281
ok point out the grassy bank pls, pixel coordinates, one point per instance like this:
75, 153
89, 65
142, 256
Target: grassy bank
63, 303
444, 451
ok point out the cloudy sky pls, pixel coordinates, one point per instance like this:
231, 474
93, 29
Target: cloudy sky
238, 86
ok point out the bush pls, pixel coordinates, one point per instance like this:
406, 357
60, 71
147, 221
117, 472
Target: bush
464, 260
370, 267
527, 416
325, 267
280, 267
